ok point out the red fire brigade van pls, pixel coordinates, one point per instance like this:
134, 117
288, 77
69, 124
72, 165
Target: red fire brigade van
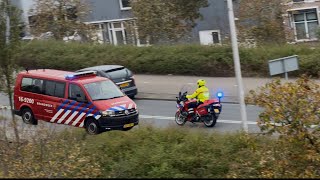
76, 99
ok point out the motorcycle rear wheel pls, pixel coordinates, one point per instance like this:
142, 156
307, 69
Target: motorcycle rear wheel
180, 120
210, 120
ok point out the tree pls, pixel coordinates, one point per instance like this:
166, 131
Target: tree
60, 17
9, 43
261, 20
166, 18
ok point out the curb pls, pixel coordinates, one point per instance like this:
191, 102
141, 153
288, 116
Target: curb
4, 107
171, 97
161, 97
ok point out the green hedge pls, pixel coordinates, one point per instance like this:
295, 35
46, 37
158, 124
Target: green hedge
146, 152
179, 60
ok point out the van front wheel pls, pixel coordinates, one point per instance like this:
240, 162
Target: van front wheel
92, 127
28, 117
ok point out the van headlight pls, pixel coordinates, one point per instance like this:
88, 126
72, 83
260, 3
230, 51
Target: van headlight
108, 113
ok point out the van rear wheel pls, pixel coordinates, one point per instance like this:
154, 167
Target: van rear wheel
28, 117
92, 127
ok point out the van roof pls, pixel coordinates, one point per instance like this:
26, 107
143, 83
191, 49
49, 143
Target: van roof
59, 75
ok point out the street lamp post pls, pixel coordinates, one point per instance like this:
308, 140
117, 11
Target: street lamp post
236, 60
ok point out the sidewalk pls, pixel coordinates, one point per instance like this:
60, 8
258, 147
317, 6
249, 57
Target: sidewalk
166, 87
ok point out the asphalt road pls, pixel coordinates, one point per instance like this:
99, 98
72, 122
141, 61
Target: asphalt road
4, 101
160, 114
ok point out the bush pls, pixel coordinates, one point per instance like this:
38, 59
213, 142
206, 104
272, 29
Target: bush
46, 155
291, 110
147, 152
293, 105
179, 59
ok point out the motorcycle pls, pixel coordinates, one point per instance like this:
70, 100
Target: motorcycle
206, 113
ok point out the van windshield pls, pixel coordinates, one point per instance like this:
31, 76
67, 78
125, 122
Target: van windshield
103, 90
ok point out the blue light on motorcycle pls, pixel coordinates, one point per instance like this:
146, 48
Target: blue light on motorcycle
220, 94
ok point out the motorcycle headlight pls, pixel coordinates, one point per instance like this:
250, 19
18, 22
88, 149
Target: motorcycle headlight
108, 113
182, 103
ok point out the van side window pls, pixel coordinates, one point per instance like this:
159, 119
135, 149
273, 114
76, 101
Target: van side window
76, 93
32, 85
53, 88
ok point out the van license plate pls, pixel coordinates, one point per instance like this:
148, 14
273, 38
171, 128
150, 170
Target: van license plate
216, 110
124, 85
128, 125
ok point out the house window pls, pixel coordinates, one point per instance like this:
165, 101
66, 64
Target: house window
117, 33
124, 4
305, 23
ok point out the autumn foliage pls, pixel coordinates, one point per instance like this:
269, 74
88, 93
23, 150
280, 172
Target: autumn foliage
171, 19
292, 112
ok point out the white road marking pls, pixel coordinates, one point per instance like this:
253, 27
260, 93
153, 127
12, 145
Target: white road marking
219, 120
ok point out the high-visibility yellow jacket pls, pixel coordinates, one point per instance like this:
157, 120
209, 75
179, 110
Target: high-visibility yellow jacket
201, 94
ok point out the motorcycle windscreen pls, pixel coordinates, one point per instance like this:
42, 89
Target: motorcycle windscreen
189, 88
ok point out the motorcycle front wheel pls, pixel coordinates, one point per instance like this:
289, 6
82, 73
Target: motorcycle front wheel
180, 119
210, 120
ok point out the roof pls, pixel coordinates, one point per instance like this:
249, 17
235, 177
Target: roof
102, 68
60, 75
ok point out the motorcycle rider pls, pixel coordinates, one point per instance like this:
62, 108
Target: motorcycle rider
201, 94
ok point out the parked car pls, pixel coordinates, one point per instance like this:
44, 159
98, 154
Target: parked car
120, 75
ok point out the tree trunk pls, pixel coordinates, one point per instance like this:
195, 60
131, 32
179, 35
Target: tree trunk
7, 72
9, 91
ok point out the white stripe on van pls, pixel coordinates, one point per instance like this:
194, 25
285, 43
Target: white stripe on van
78, 119
71, 117
81, 125
123, 105
64, 116
117, 108
56, 115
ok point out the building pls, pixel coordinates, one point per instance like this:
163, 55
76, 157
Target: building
301, 20
112, 16
116, 24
